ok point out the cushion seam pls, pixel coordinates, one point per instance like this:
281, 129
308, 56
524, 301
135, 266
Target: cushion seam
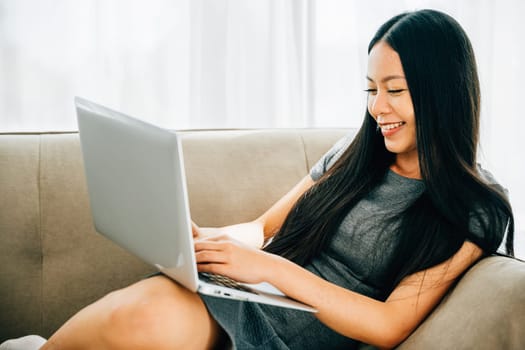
39, 189
307, 165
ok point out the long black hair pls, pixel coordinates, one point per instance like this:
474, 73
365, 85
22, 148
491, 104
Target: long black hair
457, 204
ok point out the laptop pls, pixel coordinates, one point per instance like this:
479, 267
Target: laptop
137, 191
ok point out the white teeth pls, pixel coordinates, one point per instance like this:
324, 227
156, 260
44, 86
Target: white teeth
391, 126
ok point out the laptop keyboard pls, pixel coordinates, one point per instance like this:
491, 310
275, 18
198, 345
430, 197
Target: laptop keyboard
225, 282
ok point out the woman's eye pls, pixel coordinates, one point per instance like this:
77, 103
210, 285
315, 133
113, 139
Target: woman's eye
393, 92
396, 91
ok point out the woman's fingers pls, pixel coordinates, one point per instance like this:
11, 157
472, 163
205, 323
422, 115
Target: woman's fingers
211, 251
194, 229
210, 256
209, 243
214, 268
230, 258
215, 238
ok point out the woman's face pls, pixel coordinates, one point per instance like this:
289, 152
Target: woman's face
389, 100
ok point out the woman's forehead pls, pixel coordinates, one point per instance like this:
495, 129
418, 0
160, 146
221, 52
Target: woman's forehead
384, 63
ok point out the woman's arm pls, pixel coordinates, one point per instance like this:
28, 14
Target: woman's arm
384, 324
258, 231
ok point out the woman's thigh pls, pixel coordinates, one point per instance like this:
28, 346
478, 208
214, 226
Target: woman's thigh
155, 313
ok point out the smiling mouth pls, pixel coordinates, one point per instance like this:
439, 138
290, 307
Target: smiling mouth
390, 126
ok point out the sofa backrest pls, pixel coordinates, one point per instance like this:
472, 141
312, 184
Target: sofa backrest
52, 262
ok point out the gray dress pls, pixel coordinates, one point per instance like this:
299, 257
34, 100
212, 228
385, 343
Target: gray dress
350, 261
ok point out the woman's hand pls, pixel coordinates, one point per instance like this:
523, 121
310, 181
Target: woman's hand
205, 232
195, 230
249, 233
225, 256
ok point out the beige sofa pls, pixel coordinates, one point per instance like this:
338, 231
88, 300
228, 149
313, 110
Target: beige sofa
52, 262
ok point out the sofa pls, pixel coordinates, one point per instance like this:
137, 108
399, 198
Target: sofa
53, 263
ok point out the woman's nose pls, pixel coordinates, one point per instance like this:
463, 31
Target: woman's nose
378, 104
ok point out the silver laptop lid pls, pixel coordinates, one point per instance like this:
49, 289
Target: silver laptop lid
137, 188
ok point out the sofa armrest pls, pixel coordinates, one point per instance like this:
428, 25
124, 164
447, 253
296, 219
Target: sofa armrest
485, 310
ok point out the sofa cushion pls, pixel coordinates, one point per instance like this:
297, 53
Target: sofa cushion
244, 172
20, 245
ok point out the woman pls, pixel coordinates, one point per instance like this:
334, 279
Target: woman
372, 238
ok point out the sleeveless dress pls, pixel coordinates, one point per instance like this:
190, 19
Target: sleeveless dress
351, 261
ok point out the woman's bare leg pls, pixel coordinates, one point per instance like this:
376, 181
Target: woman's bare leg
155, 313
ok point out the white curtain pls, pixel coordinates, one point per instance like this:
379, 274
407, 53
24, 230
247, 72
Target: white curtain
250, 63
177, 63
242, 64
125, 54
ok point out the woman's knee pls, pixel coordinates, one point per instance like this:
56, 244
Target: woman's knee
157, 313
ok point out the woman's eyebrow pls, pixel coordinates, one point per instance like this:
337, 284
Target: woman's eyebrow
387, 78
